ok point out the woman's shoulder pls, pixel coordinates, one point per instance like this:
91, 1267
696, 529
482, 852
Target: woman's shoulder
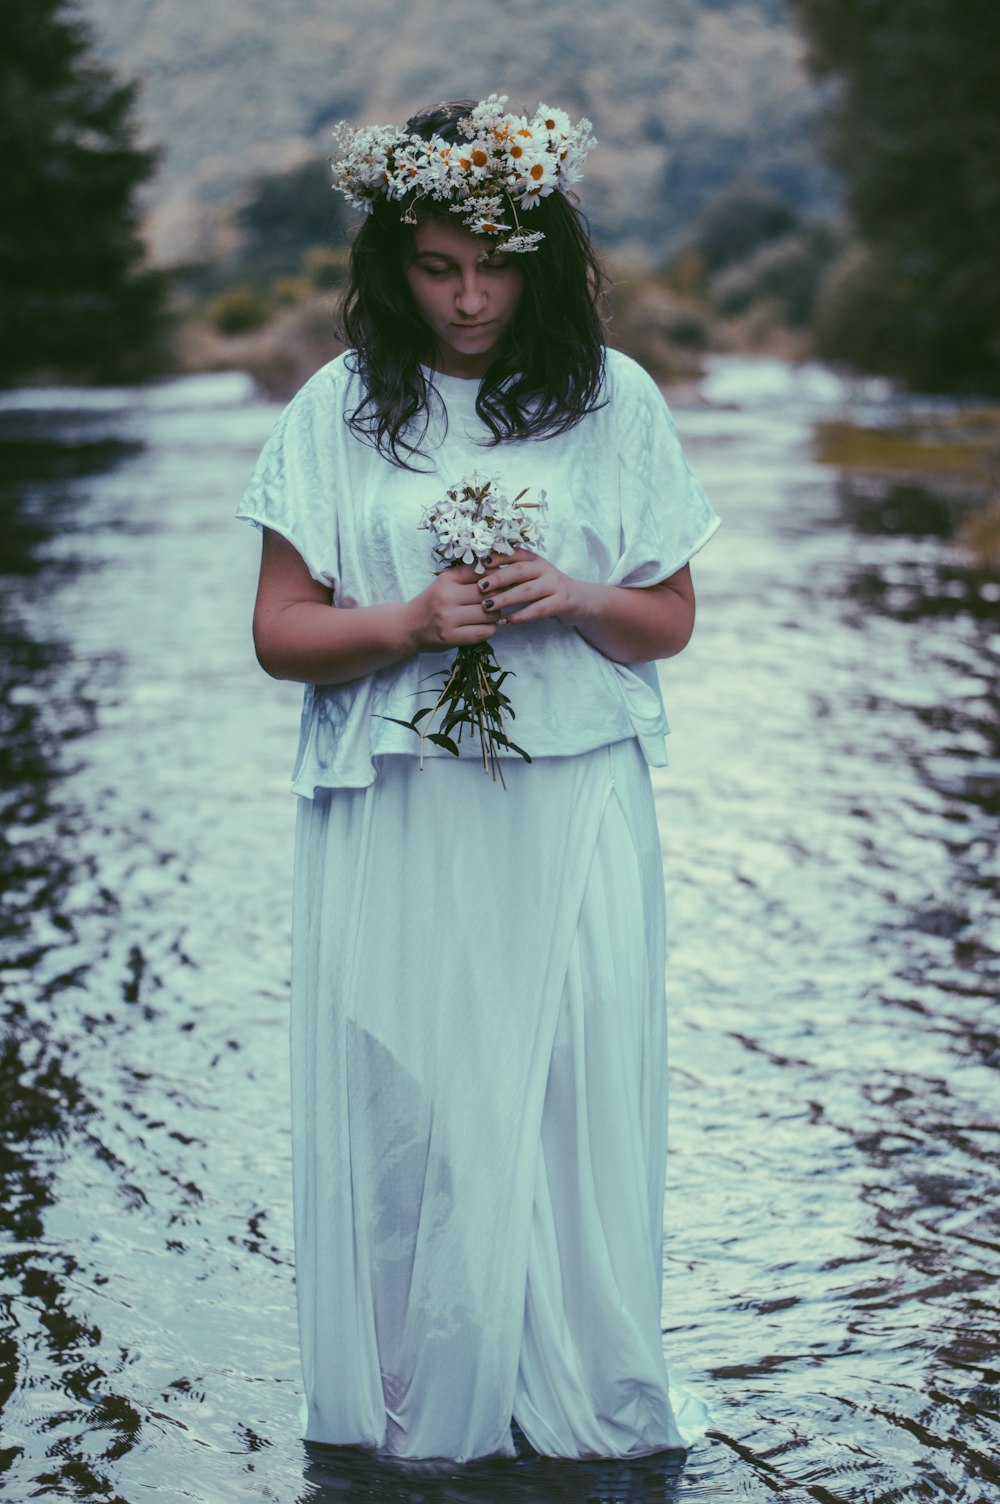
627, 381
337, 376
331, 392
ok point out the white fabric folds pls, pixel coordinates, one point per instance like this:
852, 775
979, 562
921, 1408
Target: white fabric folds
623, 508
479, 1099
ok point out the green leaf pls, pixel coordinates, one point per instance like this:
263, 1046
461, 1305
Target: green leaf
440, 740
397, 722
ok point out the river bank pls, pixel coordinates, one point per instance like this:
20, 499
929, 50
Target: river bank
927, 453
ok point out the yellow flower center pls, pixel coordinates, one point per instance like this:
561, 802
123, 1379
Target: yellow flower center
479, 158
538, 171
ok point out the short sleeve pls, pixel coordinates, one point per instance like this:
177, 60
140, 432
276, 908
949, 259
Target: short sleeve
665, 515
295, 483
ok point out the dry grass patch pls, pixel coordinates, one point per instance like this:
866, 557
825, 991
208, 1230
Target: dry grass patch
964, 445
956, 455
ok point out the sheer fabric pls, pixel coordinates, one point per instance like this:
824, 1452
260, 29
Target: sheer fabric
480, 1102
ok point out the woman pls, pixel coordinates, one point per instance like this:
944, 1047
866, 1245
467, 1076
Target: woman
478, 1023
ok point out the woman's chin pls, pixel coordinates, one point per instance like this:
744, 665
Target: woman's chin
467, 352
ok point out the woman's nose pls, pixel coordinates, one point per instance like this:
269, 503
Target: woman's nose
472, 295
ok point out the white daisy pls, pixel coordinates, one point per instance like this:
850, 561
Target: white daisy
555, 122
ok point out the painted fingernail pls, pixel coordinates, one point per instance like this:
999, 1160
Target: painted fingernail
484, 585
488, 605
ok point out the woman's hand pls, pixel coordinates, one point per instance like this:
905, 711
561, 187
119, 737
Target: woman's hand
629, 624
300, 636
451, 611
526, 587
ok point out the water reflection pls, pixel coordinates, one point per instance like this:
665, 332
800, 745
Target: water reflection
43, 460
340, 1476
884, 508
901, 571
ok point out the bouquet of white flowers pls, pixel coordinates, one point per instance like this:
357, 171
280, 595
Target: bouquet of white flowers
473, 521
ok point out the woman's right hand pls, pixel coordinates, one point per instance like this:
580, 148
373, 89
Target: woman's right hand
449, 613
299, 635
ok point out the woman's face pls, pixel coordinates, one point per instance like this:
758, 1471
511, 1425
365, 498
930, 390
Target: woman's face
466, 297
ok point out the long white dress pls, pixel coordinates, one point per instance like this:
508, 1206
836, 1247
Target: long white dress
478, 1030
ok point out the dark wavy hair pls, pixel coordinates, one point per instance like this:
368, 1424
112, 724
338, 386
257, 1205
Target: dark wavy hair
549, 373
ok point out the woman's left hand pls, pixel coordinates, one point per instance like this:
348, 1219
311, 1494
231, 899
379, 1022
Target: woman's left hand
525, 587
626, 624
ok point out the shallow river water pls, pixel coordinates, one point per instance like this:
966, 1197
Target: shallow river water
830, 830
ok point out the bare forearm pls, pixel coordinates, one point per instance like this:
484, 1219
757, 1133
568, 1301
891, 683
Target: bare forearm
313, 643
632, 625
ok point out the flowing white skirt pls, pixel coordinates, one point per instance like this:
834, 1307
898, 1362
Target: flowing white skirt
479, 1098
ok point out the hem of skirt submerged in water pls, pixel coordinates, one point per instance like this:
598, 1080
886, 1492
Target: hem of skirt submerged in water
434, 1464
692, 1417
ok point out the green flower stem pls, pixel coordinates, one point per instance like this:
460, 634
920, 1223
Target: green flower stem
473, 700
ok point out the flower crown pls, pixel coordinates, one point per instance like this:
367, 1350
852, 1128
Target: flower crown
504, 163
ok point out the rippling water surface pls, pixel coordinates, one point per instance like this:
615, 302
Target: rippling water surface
830, 828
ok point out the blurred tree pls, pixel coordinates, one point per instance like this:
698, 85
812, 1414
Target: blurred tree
292, 224
239, 310
784, 273
290, 214
74, 297
915, 132
745, 216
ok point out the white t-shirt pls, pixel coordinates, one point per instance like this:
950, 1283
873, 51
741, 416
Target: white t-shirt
622, 508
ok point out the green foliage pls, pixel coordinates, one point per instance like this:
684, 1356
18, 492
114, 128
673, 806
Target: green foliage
292, 240
473, 701
287, 291
289, 215
915, 131
239, 310
750, 253
738, 221
74, 297
785, 273
685, 275
325, 266
689, 329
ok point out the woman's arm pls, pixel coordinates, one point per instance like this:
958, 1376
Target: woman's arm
298, 634
630, 624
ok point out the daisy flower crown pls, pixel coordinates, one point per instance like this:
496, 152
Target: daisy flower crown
501, 163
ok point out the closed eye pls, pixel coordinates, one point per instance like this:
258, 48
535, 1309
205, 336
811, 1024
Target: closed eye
435, 268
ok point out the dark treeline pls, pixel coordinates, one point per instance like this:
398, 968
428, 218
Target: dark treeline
75, 298
915, 134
